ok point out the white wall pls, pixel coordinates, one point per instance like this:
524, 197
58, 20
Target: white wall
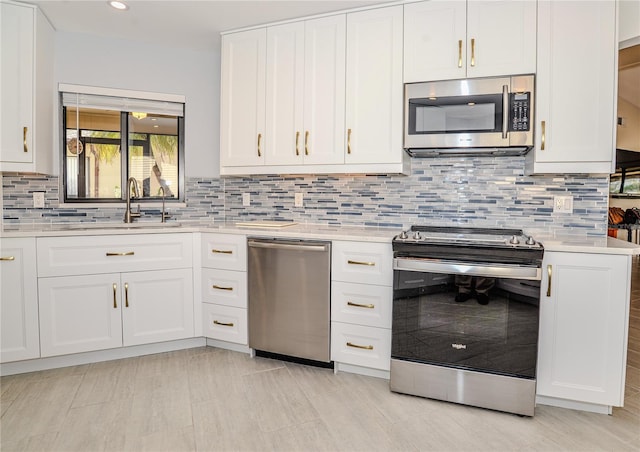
115, 63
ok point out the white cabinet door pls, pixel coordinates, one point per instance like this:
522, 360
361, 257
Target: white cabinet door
157, 306
79, 313
19, 300
324, 90
458, 39
374, 103
18, 24
584, 312
501, 37
26, 89
435, 40
576, 89
285, 100
242, 98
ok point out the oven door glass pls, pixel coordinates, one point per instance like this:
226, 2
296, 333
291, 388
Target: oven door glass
430, 326
456, 114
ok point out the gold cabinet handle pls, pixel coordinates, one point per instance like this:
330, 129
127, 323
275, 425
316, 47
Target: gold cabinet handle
306, 142
358, 305
459, 52
348, 141
370, 264
7, 258
543, 136
126, 295
127, 253
215, 286
473, 52
214, 251
115, 302
364, 347
222, 323
24, 139
297, 143
259, 141
549, 271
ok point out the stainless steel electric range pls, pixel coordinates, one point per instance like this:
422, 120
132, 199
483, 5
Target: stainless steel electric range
465, 316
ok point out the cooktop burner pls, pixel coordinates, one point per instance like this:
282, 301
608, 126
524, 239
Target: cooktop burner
473, 244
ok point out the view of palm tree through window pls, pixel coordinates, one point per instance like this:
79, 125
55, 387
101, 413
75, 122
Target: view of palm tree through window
96, 155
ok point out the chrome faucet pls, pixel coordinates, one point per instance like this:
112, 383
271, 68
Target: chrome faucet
165, 214
128, 214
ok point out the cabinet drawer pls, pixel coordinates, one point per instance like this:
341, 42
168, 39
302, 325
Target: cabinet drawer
61, 256
225, 323
361, 345
362, 262
224, 251
224, 287
361, 304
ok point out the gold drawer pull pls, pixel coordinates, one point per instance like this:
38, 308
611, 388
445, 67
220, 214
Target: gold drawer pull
24, 139
348, 141
222, 323
126, 295
259, 140
222, 251
370, 264
297, 143
473, 52
306, 142
8, 258
549, 270
215, 286
459, 52
128, 253
115, 302
364, 347
358, 305
543, 135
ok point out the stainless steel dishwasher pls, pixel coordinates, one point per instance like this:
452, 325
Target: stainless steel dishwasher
289, 297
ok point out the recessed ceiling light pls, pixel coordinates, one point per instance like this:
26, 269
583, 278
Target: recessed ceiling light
118, 5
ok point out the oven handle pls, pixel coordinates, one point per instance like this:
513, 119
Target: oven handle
465, 268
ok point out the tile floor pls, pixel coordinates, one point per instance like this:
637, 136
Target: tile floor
211, 399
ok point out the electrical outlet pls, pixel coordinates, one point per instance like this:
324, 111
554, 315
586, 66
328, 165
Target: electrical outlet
246, 199
563, 204
38, 200
298, 200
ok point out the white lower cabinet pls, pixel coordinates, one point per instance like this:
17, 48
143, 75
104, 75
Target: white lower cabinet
100, 292
224, 287
96, 312
19, 300
584, 318
361, 302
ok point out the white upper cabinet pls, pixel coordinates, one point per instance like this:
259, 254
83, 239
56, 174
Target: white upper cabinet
26, 136
242, 98
475, 38
575, 88
305, 92
324, 90
374, 103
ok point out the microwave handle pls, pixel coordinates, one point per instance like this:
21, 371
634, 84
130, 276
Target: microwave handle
505, 111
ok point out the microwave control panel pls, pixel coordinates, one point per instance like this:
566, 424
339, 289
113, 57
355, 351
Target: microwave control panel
519, 118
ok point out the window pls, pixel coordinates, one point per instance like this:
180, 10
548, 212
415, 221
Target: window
109, 138
625, 184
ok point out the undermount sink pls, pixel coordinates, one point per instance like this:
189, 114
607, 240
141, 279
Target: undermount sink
140, 225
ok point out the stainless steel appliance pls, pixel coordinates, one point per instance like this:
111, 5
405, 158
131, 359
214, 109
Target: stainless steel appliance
491, 116
465, 316
289, 297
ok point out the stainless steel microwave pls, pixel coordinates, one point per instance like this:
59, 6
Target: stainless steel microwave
484, 116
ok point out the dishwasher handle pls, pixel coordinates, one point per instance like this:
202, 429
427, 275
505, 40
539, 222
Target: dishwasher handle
287, 245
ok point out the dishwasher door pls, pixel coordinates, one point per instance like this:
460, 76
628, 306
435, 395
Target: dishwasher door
289, 297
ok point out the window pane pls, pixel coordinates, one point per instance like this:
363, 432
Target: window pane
92, 159
153, 153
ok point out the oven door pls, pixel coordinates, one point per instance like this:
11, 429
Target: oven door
431, 327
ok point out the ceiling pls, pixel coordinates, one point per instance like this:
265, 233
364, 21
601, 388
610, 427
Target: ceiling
186, 24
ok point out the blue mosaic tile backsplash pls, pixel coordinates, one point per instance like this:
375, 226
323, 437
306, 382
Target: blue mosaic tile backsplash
481, 191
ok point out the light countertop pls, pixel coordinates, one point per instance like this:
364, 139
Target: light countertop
601, 245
